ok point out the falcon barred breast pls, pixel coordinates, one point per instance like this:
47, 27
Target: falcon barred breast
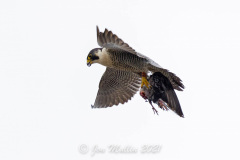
126, 70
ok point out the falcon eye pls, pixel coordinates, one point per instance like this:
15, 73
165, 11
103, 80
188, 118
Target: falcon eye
89, 56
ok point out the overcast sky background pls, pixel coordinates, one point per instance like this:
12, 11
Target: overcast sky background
46, 88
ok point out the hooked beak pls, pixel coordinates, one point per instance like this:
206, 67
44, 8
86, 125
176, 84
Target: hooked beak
89, 62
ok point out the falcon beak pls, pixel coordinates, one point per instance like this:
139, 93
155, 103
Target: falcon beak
89, 62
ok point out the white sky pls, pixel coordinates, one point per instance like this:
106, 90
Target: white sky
46, 88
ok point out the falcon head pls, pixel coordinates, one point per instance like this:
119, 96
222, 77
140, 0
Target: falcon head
93, 56
99, 55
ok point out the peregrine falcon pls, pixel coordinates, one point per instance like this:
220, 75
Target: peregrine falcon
126, 70
162, 93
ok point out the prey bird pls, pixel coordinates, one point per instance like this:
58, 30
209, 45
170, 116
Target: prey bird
162, 93
126, 70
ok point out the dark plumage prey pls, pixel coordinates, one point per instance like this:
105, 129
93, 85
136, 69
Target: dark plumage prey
162, 93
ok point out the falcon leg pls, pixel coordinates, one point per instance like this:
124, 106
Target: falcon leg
144, 80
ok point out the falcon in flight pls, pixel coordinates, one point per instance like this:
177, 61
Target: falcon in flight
126, 70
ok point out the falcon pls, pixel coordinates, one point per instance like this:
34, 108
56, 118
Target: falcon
126, 70
162, 93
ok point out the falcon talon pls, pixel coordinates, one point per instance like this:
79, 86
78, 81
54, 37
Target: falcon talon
122, 78
144, 82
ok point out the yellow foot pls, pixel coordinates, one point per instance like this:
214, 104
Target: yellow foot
144, 80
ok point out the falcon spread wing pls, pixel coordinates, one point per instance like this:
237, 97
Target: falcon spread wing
109, 40
116, 87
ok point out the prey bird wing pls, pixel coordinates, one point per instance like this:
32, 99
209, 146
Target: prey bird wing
116, 86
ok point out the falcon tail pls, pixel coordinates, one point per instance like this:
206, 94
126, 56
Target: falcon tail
171, 77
